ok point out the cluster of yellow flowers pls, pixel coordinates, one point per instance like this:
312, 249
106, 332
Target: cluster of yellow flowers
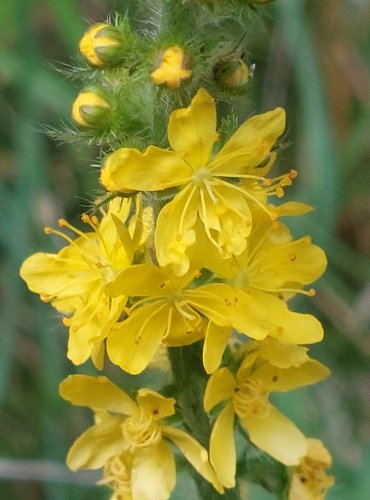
210, 261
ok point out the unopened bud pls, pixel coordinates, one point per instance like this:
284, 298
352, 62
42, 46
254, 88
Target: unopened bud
102, 45
172, 68
91, 109
233, 74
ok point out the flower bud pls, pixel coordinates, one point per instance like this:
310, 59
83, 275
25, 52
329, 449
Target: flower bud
234, 74
102, 45
171, 70
91, 109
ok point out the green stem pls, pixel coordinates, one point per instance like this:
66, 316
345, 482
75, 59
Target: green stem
189, 379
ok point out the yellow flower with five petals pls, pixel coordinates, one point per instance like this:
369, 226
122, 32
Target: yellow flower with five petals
74, 279
214, 189
136, 431
173, 313
247, 397
273, 268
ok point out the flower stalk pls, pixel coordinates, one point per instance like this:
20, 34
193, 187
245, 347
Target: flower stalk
185, 265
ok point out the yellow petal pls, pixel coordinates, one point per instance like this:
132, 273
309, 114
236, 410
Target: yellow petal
96, 392
226, 218
289, 326
222, 447
134, 343
97, 445
141, 280
276, 435
214, 345
282, 380
192, 130
318, 453
220, 386
184, 331
154, 170
155, 404
194, 453
52, 276
298, 262
174, 232
278, 354
227, 306
251, 143
153, 472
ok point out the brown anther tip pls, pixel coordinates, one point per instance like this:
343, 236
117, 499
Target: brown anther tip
293, 174
66, 321
85, 217
311, 292
279, 191
94, 220
267, 182
48, 230
62, 222
292, 257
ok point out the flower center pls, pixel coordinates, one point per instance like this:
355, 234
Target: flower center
251, 398
201, 174
140, 431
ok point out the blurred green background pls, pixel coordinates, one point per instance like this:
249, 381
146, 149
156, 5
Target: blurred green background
312, 57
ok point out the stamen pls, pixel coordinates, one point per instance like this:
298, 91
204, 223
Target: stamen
85, 255
147, 320
251, 197
207, 229
309, 293
210, 192
187, 204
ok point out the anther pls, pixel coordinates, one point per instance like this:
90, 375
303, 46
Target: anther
292, 257
267, 182
66, 321
48, 230
62, 222
293, 174
279, 191
311, 292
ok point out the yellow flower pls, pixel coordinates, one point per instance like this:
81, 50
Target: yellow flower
210, 187
90, 109
273, 268
101, 45
134, 431
171, 69
172, 312
74, 279
247, 397
117, 476
310, 481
